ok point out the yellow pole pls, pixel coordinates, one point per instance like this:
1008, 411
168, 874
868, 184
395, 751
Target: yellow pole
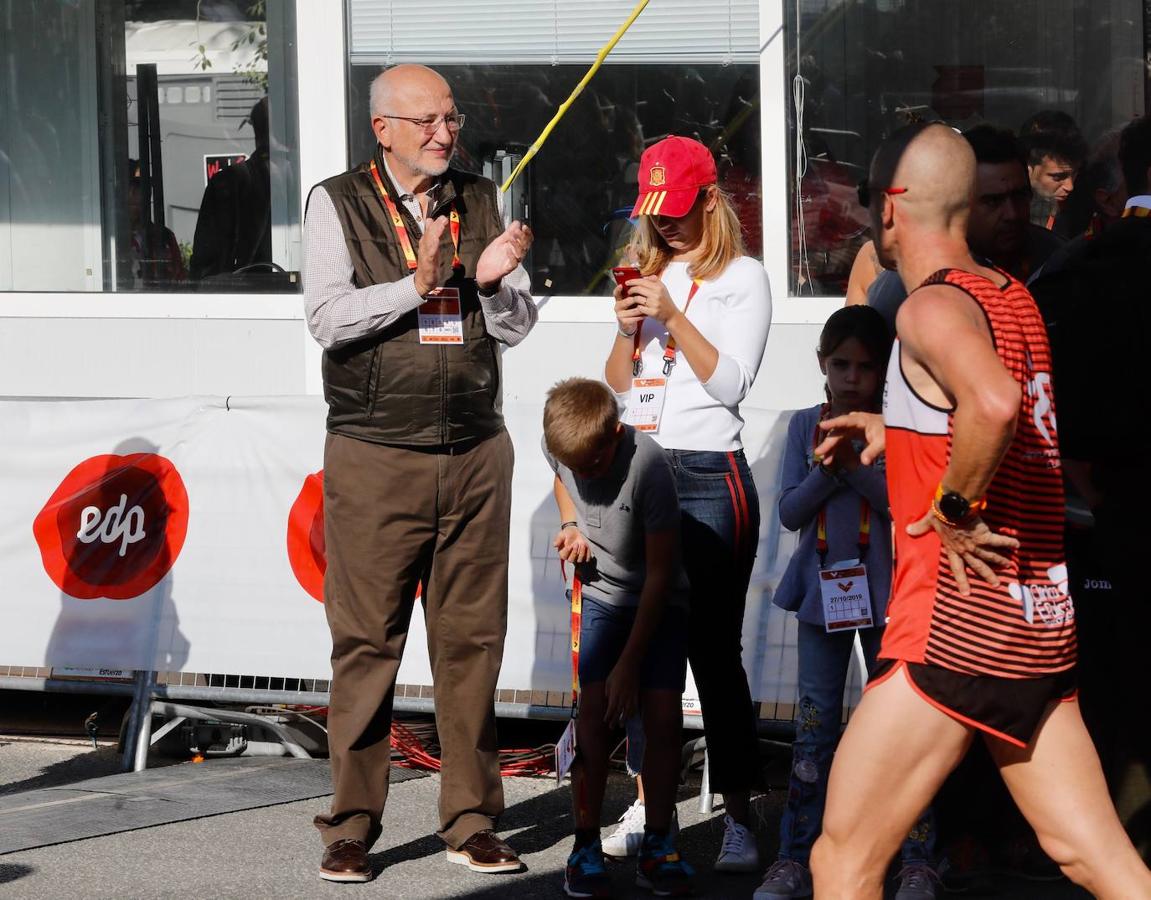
600, 57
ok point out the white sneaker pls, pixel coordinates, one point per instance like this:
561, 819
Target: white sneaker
628, 835
738, 852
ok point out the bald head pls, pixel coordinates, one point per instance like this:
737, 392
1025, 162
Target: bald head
410, 110
407, 83
937, 167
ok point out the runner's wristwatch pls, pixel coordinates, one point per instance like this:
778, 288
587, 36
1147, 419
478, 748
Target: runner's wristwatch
952, 508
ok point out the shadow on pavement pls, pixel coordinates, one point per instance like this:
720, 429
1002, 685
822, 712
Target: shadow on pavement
13, 872
93, 764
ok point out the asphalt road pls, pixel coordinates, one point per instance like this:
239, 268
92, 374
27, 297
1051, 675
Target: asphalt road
274, 852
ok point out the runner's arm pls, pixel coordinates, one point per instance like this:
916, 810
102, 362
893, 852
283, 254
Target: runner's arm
945, 334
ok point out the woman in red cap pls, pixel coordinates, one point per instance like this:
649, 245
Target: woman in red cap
692, 332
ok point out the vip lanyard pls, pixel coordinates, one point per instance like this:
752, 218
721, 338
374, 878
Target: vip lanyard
402, 232
821, 516
669, 350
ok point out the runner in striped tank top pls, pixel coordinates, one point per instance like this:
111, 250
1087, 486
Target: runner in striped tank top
981, 631
1024, 627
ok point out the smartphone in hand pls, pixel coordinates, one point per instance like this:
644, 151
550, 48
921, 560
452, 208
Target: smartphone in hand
624, 274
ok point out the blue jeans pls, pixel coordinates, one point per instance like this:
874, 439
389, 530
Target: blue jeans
823, 664
604, 630
719, 516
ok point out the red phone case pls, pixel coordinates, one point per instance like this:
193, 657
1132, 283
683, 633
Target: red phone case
624, 274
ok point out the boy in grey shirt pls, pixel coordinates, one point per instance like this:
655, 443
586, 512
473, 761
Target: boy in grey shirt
620, 529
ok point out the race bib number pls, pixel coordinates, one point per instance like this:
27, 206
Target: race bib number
846, 596
440, 316
645, 403
566, 750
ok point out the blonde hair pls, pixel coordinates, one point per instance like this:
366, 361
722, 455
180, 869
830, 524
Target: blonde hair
580, 416
720, 243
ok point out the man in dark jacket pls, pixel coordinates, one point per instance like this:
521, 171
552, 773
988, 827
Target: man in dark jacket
234, 228
411, 283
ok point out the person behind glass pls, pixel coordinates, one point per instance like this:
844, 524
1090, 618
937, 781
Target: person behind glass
1055, 151
411, 283
692, 333
617, 502
234, 227
840, 509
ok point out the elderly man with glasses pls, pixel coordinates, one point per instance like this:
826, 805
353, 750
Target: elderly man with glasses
411, 283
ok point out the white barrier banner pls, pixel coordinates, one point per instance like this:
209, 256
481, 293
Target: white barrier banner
185, 535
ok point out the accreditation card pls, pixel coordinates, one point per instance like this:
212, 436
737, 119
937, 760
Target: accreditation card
440, 317
846, 596
645, 403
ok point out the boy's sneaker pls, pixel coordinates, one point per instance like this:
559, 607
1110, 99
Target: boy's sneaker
738, 852
660, 869
585, 875
917, 881
628, 835
784, 880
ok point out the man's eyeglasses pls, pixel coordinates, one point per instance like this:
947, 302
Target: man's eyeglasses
864, 191
431, 124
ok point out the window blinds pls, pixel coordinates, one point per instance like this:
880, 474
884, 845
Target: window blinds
446, 32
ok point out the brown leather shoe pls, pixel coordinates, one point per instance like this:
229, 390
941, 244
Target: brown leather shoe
485, 852
346, 860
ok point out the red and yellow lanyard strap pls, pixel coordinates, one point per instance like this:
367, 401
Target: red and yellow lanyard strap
402, 231
577, 620
669, 350
1139, 212
821, 516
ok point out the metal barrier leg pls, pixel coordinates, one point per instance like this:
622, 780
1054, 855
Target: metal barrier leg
143, 739
705, 795
139, 718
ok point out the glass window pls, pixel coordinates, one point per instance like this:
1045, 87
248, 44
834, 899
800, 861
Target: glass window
681, 69
865, 68
148, 145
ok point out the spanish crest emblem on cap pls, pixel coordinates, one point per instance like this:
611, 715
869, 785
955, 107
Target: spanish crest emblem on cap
658, 176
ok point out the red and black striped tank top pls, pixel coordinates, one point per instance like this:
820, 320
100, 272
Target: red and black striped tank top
1025, 628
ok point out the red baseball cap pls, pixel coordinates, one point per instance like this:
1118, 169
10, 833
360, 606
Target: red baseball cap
670, 176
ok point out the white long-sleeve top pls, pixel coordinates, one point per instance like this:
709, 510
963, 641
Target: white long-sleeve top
733, 312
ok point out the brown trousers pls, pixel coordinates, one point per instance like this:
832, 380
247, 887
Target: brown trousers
394, 518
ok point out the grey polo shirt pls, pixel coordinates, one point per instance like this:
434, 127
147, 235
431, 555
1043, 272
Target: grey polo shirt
615, 513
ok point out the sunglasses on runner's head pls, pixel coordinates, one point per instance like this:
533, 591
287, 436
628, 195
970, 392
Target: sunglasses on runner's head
864, 190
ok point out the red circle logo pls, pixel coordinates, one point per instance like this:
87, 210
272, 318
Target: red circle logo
114, 527
306, 549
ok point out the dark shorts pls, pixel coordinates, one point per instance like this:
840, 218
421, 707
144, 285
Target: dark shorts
604, 631
1007, 708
